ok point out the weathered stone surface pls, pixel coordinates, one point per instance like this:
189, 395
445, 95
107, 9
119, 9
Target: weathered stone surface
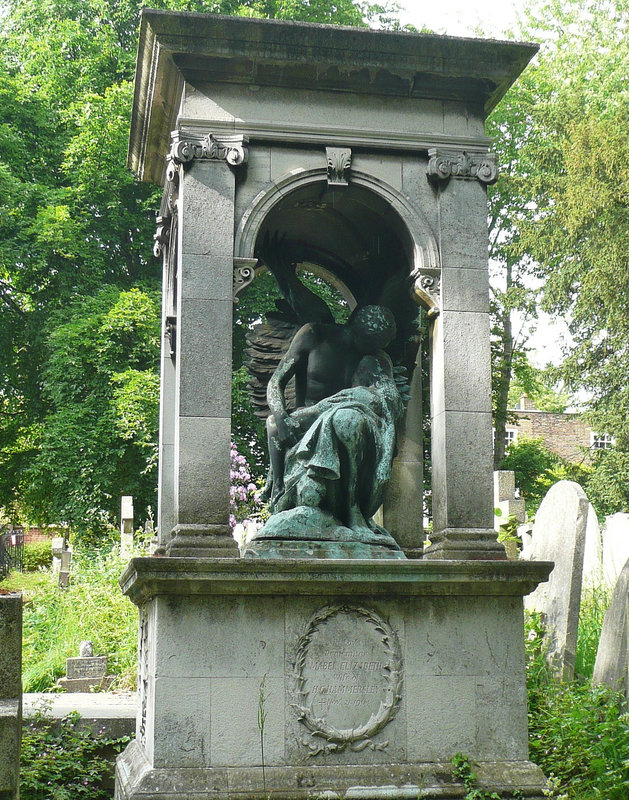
463, 206
464, 290
559, 536
80, 667
370, 656
86, 684
206, 204
10, 694
205, 358
203, 477
611, 657
462, 470
615, 536
592, 551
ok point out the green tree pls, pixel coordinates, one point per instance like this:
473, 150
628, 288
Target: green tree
101, 387
568, 227
75, 231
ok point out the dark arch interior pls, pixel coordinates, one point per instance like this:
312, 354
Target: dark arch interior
354, 235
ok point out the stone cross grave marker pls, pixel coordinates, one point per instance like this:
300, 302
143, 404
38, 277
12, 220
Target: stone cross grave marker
126, 526
559, 536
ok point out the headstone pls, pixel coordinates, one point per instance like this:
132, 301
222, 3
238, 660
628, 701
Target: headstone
126, 526
615, 546
507, 504
57, 546
86, 672
593, 551
559, 536
610, 666
10, 693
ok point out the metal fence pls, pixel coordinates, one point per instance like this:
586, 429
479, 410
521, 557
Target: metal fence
11, 550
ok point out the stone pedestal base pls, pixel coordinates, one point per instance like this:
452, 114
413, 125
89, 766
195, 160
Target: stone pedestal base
321, 678
470, 544
202, 541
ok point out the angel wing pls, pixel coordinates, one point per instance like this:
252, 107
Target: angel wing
269, 340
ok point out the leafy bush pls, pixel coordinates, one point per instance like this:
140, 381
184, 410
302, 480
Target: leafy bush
36, 555
578, 733
534, 467
63, 761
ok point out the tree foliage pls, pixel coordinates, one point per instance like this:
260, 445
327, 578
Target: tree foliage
77, 397
563, 200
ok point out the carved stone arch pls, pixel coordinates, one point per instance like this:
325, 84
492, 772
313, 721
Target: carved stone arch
424, 258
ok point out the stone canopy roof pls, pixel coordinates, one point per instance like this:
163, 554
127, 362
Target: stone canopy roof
200, 49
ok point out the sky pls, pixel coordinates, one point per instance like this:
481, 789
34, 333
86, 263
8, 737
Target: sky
460, 18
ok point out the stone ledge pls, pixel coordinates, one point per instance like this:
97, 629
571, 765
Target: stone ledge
423, 781
148, 577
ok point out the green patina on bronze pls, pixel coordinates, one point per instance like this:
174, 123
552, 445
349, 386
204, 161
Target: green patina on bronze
331, 456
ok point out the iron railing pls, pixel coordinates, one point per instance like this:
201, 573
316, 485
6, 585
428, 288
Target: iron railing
11, 551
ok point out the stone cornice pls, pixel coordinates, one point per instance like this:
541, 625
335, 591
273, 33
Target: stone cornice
150, 576
337, 135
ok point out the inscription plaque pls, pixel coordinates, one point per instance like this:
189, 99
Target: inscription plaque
94, 667
348, 679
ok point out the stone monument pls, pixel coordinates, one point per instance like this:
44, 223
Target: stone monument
86, 672
319, 665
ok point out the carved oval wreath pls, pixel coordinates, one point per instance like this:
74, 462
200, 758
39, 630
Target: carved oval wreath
388, 708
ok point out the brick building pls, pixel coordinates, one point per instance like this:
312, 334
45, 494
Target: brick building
566, 434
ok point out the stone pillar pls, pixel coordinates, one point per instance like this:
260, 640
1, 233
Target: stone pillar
203, 345
10, 694
403, 508
461, 418
166, 244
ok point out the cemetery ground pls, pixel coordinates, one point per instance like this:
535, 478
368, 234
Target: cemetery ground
579, 734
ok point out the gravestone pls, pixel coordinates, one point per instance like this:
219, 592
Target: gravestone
58, 546
610, 666
126, 526
615, 537
559, 536
10, 693
86, 671
363, 155
592, 551
506, 505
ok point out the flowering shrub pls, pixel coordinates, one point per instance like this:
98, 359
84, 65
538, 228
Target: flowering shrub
247, 511
65, 761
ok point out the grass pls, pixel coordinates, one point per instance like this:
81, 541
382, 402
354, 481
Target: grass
56, 620
595, 601
577, 733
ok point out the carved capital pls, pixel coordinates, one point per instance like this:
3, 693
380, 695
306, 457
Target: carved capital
231, 148
244, 273
442, 166
427, 287
339, 163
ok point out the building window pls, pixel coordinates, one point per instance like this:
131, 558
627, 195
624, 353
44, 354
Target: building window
511, 434
601, 441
